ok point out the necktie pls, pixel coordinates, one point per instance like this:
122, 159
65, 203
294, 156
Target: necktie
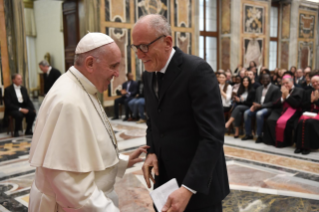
159, 80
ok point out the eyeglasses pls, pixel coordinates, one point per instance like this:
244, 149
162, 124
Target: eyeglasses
144, 47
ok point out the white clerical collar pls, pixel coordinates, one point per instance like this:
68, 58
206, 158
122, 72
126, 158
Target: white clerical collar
88, 85
16, 87
48, 72
163, 70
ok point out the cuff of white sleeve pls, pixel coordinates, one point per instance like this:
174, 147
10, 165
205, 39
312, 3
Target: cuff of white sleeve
122, 165
19, 108
191, 190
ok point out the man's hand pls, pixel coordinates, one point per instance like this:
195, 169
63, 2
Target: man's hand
134, 157
236, 98
24, 111
256, 106
284, 92
252, 108
123, 92
178, 200
314, 96
150, 162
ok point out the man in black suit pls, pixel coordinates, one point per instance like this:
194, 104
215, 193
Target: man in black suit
18, 105
50, 75
128, 92
266, 96
186, 124
299, 79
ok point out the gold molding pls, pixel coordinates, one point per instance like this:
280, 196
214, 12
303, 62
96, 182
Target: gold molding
28, 3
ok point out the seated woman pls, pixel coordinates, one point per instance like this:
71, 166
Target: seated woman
225, 91
279, 127
244, 99
307, 132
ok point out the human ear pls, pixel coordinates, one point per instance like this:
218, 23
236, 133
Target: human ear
168, 42
89, 64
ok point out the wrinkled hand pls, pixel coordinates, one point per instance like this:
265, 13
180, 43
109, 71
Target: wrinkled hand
284, 92
134, 157
314, 96
178, 200
150, 162
24, 111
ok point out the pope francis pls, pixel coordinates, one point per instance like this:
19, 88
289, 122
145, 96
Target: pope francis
74, 148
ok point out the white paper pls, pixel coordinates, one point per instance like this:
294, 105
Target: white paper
160, 194
310, 114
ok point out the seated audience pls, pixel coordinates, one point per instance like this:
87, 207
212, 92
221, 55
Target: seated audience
251, 75
244, 99
299, 77
236, 85
225, 91
282, 121
242, 73
137, 105
50, 75
18, 105
129, 90
307, 131
293, 69
307, 84
266, 95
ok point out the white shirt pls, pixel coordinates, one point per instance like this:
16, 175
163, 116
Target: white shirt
226, 101
264, 93
48, 72
17, 89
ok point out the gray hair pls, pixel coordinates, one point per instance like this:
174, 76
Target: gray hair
157, 22
44, 63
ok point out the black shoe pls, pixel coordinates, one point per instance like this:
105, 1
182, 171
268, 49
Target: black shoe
114, 118
125, 119
236, 136
305, 152
259, 140
247, 137
29, 132
16, 134
297, 151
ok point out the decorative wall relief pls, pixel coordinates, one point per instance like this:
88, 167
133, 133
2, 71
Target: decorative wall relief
225, 53
226, 16
253, 19
306, 25
183, 40
285, 30
305, 54
183, 13
117, 11
144, 7
253, 49
122, 38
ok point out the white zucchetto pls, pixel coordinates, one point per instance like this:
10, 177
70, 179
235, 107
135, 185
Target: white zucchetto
91, 41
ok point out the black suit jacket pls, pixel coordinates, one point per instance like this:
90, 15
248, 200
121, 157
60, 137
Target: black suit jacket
273, 95
250, 98
133, 89
186, 128
50, 79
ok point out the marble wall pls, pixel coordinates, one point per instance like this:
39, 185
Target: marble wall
117, 18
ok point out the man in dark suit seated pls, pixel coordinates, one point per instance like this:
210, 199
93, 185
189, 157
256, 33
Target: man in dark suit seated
18, 105
128, 92
266, 95
50, 75
299, 77
185, 129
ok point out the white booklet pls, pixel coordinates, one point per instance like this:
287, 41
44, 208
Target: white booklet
160, 194
310, 114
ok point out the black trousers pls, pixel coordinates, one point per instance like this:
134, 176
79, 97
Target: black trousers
214, 208
18, 117
122, 100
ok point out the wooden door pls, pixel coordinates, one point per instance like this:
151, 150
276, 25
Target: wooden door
70, 30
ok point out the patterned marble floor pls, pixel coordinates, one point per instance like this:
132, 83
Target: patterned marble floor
262, 178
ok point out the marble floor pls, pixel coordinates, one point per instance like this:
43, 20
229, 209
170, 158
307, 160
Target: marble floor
262, 178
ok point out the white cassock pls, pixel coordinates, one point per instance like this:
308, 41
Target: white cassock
77, 162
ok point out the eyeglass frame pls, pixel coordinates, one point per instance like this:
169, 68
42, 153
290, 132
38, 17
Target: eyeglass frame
147, 45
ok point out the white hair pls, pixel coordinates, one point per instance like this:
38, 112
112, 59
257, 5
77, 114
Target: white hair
158, 23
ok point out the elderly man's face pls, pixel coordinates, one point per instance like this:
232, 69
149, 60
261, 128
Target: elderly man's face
107, 66
17, 80
158, 52
315, 82
287, 82
44, 69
